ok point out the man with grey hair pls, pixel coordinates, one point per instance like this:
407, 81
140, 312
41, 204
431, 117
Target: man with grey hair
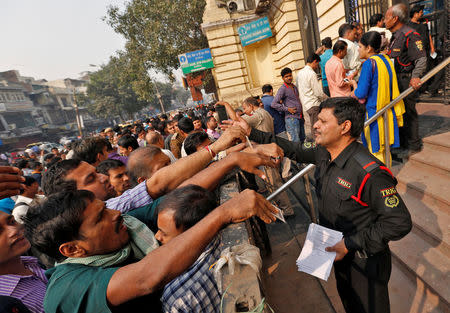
156, 139
407, 50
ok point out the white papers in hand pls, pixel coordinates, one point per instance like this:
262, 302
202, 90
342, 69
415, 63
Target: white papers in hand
313, 259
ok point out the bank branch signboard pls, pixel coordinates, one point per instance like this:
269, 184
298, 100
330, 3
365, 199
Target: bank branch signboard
196, 61
255, 31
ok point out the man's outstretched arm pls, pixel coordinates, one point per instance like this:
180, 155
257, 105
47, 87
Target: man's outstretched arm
301, 152
210, 176
167, 262
170, 177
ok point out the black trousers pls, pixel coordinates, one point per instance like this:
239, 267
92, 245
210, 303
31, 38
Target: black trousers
409, 133
363, 283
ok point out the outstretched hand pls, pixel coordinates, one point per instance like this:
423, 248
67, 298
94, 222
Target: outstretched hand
231, 135
271, 150
239, 122
246, 204
250, 162
11, 180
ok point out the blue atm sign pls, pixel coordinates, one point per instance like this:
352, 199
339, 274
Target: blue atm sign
255, 31
196, 61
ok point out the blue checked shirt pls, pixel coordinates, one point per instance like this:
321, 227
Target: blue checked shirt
131, 199
196, 289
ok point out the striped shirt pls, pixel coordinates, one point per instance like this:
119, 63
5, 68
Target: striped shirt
131, 199
29, 289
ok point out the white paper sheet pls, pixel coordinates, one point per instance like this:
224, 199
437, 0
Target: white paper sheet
313, 259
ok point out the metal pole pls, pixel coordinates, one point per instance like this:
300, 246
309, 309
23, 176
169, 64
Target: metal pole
387, 145
300, 174
77, 115
158, 95
309, 198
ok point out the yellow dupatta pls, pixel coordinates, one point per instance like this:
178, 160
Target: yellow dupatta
383, 99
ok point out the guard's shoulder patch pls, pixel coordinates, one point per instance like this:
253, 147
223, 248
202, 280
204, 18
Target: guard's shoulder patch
309, 145
388, 192
392, 201
419, 45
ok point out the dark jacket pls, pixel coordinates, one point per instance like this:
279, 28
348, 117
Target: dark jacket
356, 193
278, 117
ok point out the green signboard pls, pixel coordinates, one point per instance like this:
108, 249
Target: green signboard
196, 61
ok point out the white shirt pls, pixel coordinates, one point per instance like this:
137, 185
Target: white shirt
351, 60
69, 155
169, 153
141, 142
309, 88
20, 211
381, 30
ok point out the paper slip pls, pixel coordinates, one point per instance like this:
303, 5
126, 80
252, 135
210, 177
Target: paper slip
314, 259
279, 214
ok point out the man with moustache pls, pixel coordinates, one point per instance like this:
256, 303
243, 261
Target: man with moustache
357, 196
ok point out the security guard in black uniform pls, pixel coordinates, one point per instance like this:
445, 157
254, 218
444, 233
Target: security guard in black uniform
408, 52
357, 196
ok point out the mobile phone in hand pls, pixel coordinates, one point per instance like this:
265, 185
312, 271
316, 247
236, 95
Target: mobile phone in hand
222, 112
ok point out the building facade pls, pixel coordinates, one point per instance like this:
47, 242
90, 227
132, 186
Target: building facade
37, 110
241, 71
297, 29
19, 118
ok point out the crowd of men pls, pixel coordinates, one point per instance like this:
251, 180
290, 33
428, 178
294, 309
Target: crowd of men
127, 220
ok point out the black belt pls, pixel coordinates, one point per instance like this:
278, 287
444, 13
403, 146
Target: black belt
361, 254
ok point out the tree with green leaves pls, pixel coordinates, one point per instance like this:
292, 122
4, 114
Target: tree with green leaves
122, 88
158, 31
112, 89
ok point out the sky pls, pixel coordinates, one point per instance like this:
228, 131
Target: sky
55, 39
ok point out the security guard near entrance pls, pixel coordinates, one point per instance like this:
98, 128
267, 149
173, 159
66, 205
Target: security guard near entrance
408, 52
357, 196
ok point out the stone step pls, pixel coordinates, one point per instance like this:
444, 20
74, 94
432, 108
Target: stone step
433, 109
424, 198
409, 294
430, 222
438, 141
428, 263
433, 157
414, 175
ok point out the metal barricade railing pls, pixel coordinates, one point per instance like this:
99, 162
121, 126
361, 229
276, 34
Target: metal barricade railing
384, 112
404, 94
303, 173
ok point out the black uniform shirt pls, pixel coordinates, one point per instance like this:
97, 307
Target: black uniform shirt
369, 218
424, 33
407, 47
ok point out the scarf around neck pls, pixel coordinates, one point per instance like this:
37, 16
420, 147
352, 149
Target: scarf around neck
142, 241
